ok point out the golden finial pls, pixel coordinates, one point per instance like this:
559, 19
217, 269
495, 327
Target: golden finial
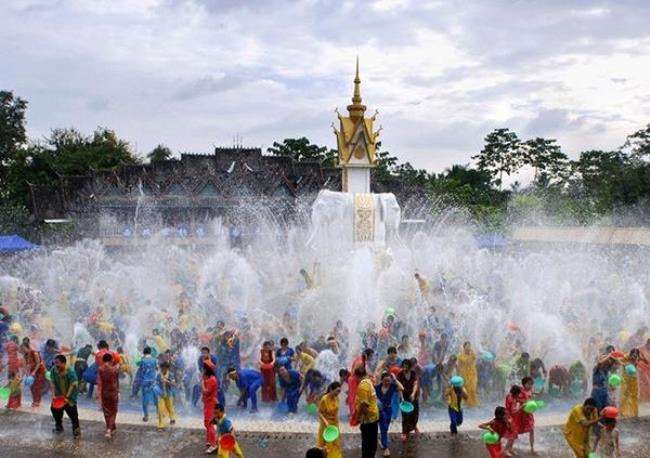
357, 109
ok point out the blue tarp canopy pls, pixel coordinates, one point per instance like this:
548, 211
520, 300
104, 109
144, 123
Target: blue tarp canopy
491, 241
14, 243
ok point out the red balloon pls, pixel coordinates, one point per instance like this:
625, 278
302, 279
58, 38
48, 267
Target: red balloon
58, 402
617, 354
227, 442
610, 412
395, 370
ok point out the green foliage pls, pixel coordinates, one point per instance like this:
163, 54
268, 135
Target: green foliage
13, 135
301, 149
159, 153
462, 186
69, 152
501, 154
639, 143
546, 158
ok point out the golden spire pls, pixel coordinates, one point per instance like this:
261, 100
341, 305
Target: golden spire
357, 109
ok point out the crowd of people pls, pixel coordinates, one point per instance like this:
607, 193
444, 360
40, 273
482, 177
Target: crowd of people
378, 377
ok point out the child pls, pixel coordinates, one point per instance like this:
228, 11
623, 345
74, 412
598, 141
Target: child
513, 405
608, 440
500, 425
525, 422
224, 426
166, 387
16, 391
455, 397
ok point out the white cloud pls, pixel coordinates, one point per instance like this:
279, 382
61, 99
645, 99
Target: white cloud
194, 73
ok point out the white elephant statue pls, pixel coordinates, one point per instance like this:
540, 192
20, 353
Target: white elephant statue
341, 217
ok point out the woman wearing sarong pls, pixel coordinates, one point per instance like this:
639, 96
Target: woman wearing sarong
328, 415
34, 366
629, 406
467, 370
267, 368
644, 373
411, 392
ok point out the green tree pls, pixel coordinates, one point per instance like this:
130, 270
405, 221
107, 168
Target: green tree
411, 176
13, 135
639, 143
69, 152
500, 155
546, 158
159, 153
301, 149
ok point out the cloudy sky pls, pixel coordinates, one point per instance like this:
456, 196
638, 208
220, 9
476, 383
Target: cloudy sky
193, 73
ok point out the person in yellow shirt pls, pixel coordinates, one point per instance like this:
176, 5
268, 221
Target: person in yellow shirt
328, 414
367, 412
303, 360
467, 369
159, 341
576, 430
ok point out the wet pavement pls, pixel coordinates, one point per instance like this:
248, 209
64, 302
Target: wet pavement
24, 434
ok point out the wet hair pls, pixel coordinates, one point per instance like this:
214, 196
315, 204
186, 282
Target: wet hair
608, 421
500, 413
466, 343
368, 352
164, 365
102, 344
443, 335
231, 369
50, 343
384, 375
525, 355
526, 380
146, 350
515, 390
284, 341
207, 370
609, 348
407, 364
360, 372
333, 386
205, 349
344, 373
391, 350
590, 402
60, 358
219, 408
107, 357
315, 452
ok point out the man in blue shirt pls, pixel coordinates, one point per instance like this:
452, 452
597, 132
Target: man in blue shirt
290, 383
146, 376
248, 381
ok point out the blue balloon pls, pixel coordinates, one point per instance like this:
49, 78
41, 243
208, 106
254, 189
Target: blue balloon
457, 381
29, 380
283, 360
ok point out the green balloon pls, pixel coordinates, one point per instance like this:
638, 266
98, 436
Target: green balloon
48, 376
5, 392
530, 406
390, 311
311, 408
614, 380
491, 438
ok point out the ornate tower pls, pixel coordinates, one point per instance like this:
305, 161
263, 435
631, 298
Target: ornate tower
356, 143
